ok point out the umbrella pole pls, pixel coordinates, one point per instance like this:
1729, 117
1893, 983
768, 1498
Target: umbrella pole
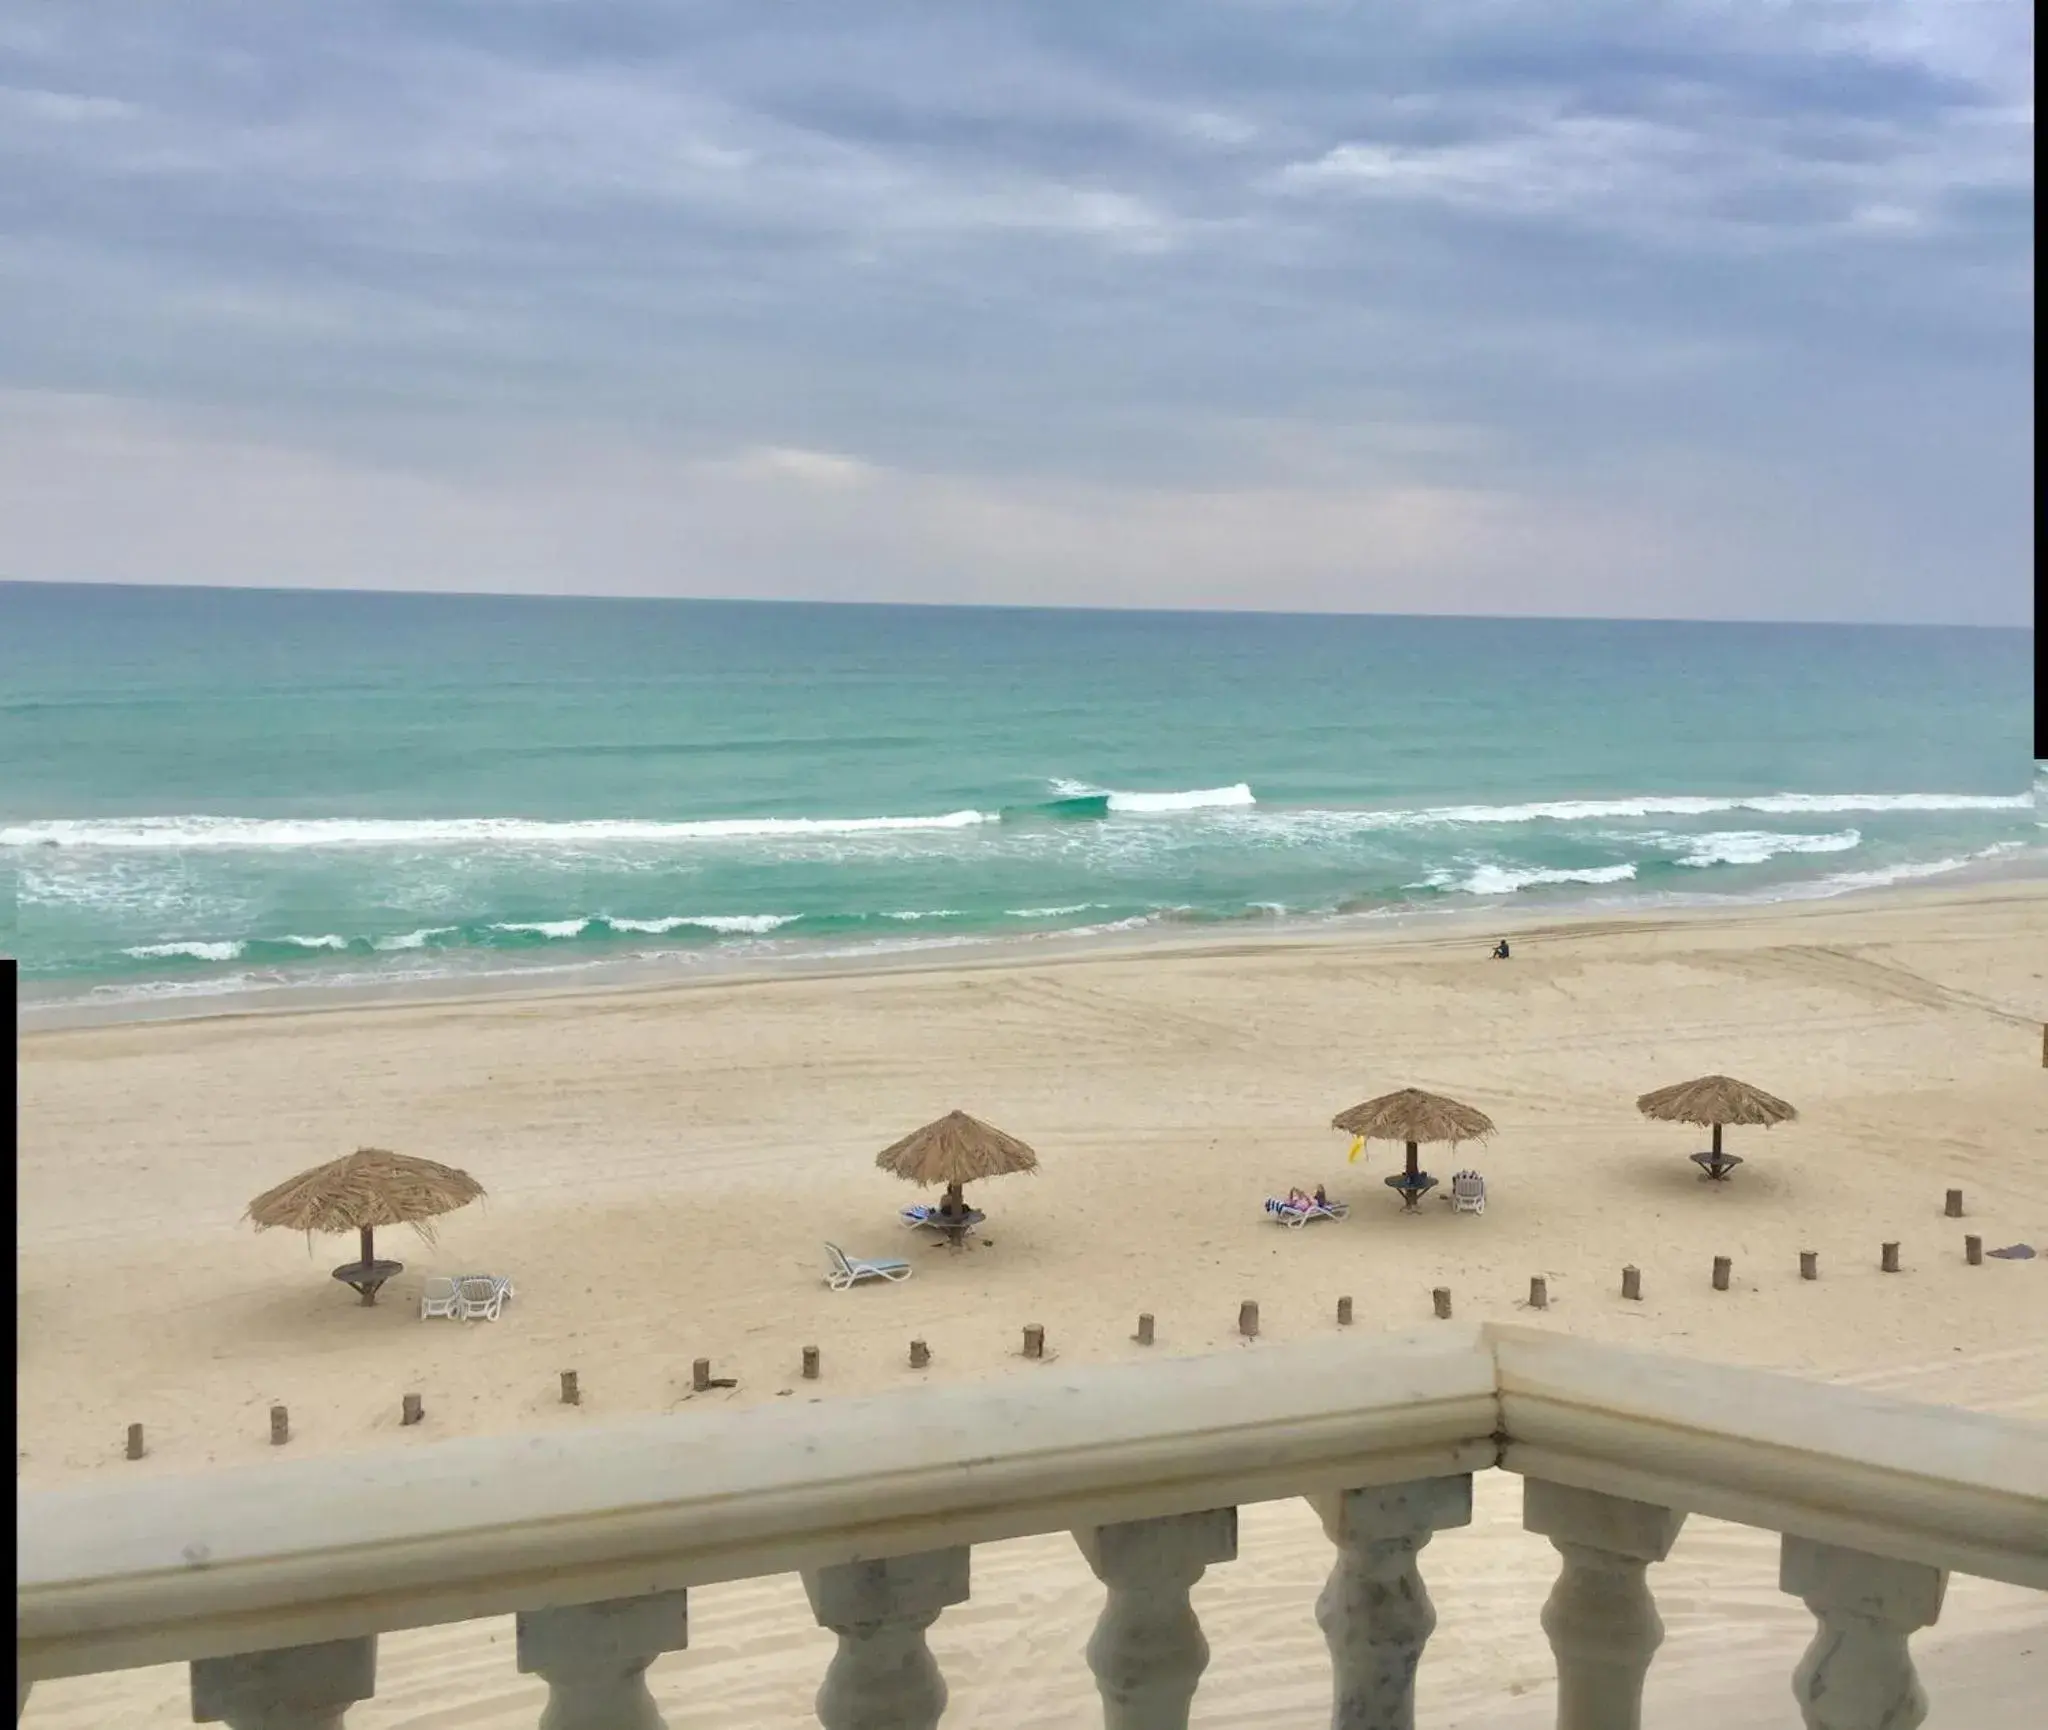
369, 1251
1717, 1143
1413, 1170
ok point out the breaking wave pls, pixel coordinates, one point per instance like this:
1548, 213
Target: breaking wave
1751, 846
1074, 801
1505, 879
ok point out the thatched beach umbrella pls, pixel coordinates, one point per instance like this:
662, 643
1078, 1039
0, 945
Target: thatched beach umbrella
361, 1191
1713, 1100
1414, 1117
955, 1150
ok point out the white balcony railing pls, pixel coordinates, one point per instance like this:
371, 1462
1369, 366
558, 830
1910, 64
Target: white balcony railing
275, 1582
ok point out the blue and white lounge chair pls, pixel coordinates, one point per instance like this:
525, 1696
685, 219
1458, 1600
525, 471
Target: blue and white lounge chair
847, 1271
1293, 1216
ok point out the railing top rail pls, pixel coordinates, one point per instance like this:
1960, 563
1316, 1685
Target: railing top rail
150, 1571
1938, 1484
115, 1575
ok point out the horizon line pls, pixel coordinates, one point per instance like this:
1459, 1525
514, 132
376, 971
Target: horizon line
1138, 611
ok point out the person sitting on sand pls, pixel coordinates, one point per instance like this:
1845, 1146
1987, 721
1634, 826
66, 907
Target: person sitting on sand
1500, 950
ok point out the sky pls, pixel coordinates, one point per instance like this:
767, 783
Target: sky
1630, 310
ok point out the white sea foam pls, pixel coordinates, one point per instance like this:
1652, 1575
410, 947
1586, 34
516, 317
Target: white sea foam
1906, 871
183, 833
1195, 799
1137, 922
1048, 912
328, 941
545, 927
1751, 846
754, 924
190, 951
931, 913
1699, 805
1235, 796
1505, 880
147, 990
1792, 804
204, 832
413, 939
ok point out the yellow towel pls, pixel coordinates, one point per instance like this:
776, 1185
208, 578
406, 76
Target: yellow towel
1351, 1158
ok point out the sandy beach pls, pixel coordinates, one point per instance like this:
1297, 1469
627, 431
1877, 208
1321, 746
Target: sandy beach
664, 1166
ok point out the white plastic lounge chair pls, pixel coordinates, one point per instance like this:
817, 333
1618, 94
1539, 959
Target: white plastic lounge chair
505, 1289
1468, 1192
847, 1271
439, 1298
481, 1296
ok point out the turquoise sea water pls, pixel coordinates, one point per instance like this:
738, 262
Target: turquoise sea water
212, 792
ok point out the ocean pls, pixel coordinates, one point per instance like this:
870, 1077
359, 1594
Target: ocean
217, 794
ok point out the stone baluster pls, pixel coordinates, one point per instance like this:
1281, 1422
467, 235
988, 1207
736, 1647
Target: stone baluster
1374, 1611
1858, 1674
1147, 1651
883, 1676
289, 1688
1602, 1622
594, 1658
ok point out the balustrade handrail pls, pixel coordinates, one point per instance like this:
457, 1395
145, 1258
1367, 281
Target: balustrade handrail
113, 1576
1951, 1488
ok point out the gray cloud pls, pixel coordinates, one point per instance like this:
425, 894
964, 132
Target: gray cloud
1646, 308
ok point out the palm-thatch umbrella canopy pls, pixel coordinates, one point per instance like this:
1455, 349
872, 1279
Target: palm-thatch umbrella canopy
1713, 1100
363, 1190
955, 1150
1414, 1117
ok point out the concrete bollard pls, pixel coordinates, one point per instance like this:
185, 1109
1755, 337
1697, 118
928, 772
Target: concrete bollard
1632, 1284
1952, 1208
1723, 1266
280, 1426
1973, 1251
1539, 1292
1809, 1264
700, 1375
1344, 1312
135, 1449
920, 1354
571, 1394
1248, 1319
410, 1410
1440, 1296
1034, 1341
810, 1363
1888, 1258
1144, 1334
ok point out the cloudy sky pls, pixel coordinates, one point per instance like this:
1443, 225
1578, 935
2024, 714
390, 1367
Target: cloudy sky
1635, 309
